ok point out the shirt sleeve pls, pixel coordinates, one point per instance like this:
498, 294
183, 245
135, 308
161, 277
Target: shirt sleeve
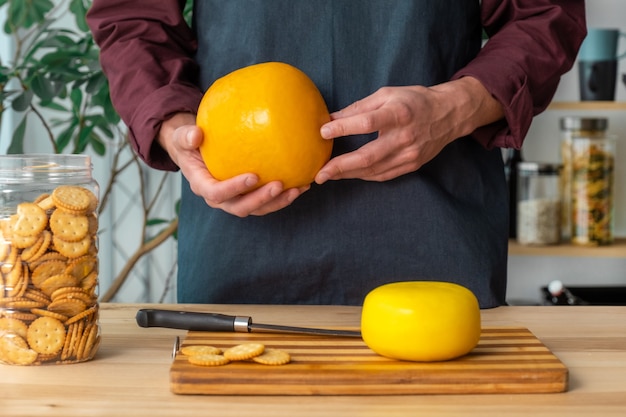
146, 53
532, 43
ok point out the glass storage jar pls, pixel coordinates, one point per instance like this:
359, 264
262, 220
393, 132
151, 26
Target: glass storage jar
538, 204
592, 176
573, 127
48, 259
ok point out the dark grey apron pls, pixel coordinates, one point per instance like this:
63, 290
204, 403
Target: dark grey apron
447, 221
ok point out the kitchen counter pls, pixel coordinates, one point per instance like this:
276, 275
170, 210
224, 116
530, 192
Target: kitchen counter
130, 374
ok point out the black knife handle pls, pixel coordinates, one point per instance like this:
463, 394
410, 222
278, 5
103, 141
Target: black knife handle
186, 320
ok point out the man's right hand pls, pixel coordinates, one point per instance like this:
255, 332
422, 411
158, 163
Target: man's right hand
181, 138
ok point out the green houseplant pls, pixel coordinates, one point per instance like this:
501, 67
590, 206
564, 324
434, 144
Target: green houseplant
53, 79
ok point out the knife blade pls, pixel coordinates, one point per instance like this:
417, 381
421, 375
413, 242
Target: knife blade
214, 322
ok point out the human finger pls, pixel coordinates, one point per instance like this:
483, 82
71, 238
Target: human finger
252, 202
283, 200
361, 117
374, 161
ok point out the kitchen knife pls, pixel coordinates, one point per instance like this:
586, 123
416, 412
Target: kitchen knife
213, 322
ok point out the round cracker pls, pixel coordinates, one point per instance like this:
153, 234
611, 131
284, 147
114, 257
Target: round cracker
10, 261
20, 315
87, 348
11, 325
37, 295
93, 223
82, 266
36, 251
48, 313
28, 252
48, 256
61, 292
67, 343
192, 350
23, 242
89, 283
244, 351
80, 344
14, 350
69, 227
23, 303
67, 307
46, 335
57, 281
40, 198
273, 357
20, 287
72, 249
46, 270
71, 197
13, 280
90, 311
41, 358
46, 203
208, 360
30, 221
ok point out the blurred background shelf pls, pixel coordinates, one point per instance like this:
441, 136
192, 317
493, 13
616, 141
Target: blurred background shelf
615, 250
588, 105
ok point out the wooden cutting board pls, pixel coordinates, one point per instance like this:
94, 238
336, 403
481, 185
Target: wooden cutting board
506, 360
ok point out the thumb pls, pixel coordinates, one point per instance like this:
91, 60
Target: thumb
188, 137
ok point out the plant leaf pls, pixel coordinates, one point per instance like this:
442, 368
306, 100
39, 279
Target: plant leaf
58, 38
95, 83
17, 142
97, 144
24, 14
65, 136
43, 87
152, 222
53, 106
102, 125
76, 95
22, 101
59, 58
79, 9
103, 99
83, 138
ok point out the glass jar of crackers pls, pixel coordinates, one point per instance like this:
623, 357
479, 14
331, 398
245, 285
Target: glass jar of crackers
48, 260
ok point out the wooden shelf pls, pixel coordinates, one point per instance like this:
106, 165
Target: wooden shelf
588, 105
615, 250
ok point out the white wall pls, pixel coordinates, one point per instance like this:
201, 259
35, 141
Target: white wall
528, 274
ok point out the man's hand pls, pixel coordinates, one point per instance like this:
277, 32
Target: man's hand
414, 124
181, 138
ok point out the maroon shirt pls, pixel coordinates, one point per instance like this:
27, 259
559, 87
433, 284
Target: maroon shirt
147, 54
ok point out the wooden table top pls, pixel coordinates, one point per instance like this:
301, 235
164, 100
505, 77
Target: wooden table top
130, 374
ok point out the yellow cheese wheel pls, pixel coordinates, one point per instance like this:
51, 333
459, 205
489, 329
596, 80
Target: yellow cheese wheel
421, 321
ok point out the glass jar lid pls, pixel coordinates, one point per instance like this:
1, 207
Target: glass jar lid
584, 123
49, 167
538, 168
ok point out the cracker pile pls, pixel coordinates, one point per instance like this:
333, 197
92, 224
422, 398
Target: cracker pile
48, 279
204, 355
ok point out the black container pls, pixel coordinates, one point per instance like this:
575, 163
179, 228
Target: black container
597, 80
596, 295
